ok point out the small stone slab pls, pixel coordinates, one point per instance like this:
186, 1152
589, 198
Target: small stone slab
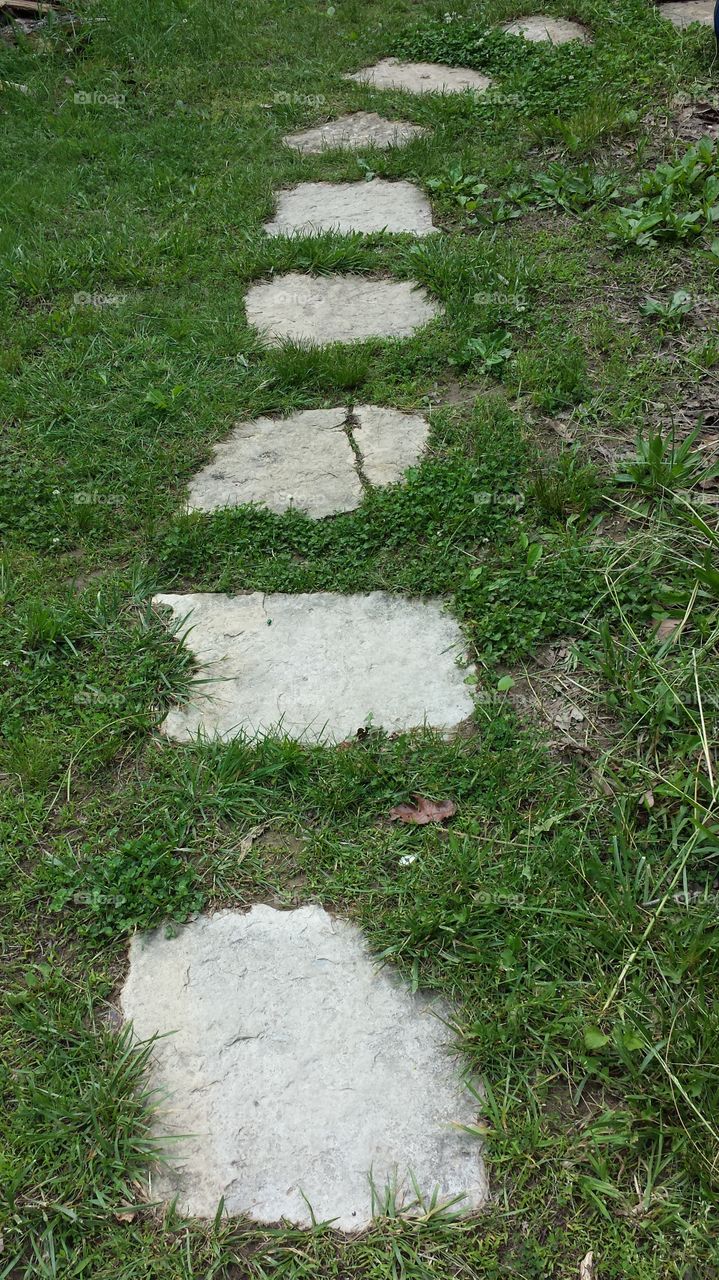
317, 667
339, 308
420, 77
294, 1069
355, 132
686, 12
314, 207
307, 461
541, 27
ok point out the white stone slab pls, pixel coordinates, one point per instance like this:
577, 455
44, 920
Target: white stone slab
420, 77
307, 462
355, 132
541, 27
389, 441
313, 207
317, 667
293, 1069
338, 308
303, 461
683, 13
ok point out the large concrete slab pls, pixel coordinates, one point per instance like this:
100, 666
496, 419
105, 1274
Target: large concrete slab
339, 308
318, 666
684, 12
378, 205
420, 77
294, 1069
309, 461
539, 27
355, 132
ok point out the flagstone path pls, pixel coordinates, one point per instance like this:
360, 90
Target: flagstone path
319, 666
378, 205
420, 77
339, 308
355, 132
684, 13
294, 1069
540, 27
317, 460
297, 1075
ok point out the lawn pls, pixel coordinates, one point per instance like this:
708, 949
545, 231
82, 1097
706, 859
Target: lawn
565, 509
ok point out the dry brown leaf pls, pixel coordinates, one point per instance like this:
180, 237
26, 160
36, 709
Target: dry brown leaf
423, 811
247, 841
586, 1267
666, 628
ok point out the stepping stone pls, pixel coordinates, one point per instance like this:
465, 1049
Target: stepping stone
293, 1068
355, 132
339, 308
541, 27
307, 461
378, 205
420, 77
686, 12
317, 667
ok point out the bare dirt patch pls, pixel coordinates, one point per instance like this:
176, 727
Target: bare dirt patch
554, 693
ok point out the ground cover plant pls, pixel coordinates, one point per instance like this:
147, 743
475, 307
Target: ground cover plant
568, 494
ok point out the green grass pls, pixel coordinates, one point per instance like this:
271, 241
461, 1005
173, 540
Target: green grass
570, 908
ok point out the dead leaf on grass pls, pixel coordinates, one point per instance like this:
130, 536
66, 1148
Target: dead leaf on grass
423, 811
247, 841
586, 1267
666, 628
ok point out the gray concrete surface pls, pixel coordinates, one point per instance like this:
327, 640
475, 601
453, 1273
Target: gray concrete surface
355, 132
420, 77
337, 308
313, 207
318, 666
306, 461
688, 11
539, 27
292, 1068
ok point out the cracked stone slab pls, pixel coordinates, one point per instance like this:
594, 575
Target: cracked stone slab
684, 13
317, 666
307, 461
539, 27
337, 308
378, 205
420, 77
355, 132
292, 1068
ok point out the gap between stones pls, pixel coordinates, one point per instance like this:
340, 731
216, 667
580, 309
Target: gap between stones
351, 424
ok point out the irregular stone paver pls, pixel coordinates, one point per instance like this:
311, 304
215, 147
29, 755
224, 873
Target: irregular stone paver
307, 462
378, 205
317, 667
542, 27
339, 308
688, 11
354, 133
292, 1066
388, 441
420, 77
